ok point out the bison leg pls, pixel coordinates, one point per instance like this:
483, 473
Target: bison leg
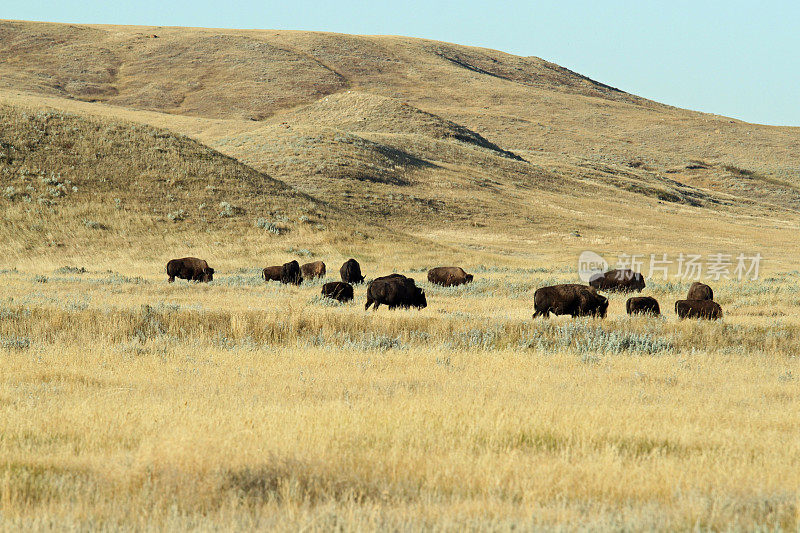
545, 313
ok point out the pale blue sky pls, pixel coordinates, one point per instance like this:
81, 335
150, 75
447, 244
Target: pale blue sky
734, 58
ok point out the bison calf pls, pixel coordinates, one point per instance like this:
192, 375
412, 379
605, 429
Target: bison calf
646, 305
190, 268
313, 270
272, 273
698, 309
569, 299
338, 290
449, 276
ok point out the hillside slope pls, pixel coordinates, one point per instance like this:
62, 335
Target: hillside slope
87, 183
520, 103
469, 146
220, 73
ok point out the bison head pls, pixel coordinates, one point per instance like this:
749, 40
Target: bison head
208, 274
469, 278
602, 308
419, 299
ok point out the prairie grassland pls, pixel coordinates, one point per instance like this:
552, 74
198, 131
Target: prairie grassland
129, 402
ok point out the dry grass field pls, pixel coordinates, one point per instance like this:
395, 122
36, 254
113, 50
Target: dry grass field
130, 403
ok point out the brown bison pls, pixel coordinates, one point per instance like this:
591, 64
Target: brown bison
313, 270
569, 299
351, 272
338, 290
395, 290
698, 309
272, 273
449, 276
700, 291
393, 276
618, 280
190, 268
646, 305
290, 273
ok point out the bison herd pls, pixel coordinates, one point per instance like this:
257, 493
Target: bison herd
397, 290
582, 300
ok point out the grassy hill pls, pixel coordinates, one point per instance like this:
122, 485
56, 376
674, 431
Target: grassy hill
427, 137
81, 186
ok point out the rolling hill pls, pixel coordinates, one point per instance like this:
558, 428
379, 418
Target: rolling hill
78, 184
465, 146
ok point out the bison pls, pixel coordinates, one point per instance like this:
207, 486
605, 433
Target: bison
351, 272
338, 290
449, 276
313, 270
290, 273
646, 305
569, 299
393, 276
700, 291
618, 280
698, 309
190, 268
272, 273
395, 290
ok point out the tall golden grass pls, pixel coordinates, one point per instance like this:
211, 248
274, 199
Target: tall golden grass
128, 402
